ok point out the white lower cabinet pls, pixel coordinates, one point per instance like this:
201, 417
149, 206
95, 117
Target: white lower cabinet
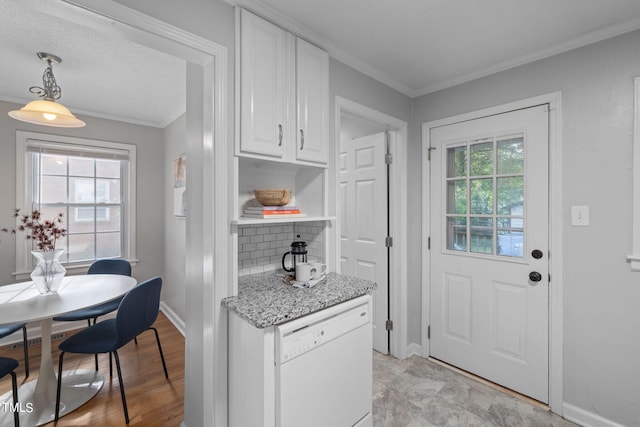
314, 371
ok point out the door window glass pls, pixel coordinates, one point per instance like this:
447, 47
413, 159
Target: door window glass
485, 196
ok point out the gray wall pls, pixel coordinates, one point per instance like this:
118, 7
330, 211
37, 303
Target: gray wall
601, 294
173, 289
150, 158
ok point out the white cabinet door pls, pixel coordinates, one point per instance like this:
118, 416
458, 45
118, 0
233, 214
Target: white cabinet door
312, 96
284, 95
263, 94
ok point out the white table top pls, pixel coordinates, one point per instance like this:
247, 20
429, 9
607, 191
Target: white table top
21, 302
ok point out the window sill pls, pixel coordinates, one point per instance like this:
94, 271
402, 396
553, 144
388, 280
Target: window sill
72, 270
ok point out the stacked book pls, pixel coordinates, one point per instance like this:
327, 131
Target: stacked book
273, 212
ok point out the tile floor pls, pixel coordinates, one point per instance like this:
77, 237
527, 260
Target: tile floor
416, 392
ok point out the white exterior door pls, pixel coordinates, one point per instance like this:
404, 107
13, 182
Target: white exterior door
489, 277
363, 222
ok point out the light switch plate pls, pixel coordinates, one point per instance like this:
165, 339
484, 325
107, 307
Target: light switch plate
580, 216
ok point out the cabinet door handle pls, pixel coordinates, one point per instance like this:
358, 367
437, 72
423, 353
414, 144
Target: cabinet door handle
301, 139
279, 135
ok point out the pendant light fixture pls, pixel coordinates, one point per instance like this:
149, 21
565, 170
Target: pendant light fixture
46, 111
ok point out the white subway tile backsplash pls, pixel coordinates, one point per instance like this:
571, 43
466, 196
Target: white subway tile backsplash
261, 246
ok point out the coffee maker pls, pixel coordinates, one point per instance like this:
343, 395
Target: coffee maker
298, 254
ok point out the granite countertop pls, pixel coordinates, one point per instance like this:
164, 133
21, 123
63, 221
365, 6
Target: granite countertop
264, 300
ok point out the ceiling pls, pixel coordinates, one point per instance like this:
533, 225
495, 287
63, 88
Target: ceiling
100, 75
420, 46
414, 46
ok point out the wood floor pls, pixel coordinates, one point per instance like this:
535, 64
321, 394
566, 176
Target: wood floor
152, 399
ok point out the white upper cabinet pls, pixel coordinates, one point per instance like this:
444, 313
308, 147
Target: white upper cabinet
284, 95
312, 96
263, 76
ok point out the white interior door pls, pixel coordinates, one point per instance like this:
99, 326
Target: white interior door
489, 278
363, 222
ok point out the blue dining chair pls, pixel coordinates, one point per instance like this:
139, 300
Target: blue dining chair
6, 330
8, 366
100, 266
136, 314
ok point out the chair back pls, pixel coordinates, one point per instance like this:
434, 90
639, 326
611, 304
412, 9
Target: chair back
110, 266
138, 310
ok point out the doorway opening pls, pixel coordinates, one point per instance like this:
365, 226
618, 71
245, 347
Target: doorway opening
373, 247
206, 126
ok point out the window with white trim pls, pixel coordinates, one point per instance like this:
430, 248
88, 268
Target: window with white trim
91, 182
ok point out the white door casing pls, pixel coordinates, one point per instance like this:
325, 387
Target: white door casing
363, 215
486, 315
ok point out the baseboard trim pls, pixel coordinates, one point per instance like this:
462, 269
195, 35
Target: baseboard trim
173, 318
585, 418
414, 349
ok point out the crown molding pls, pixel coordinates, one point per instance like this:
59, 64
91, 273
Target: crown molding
284, 21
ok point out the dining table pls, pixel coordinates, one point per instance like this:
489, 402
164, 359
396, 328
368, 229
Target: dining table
21, 302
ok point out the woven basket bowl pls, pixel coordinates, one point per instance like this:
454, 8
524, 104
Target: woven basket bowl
278, 197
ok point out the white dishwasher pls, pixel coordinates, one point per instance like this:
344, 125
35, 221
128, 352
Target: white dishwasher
324, 368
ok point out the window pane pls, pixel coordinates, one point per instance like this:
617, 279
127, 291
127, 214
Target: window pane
53, 164
482, 235
81, 166
107, 191
510, 195
481, 196
81, 247
81, 190
510, 242
511, 155
457, 162
457, 233
108, 245
108, 168
482, 159
107, 218
81, 220
457, 196
53, 189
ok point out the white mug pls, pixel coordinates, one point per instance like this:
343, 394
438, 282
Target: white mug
320, 269
304, 272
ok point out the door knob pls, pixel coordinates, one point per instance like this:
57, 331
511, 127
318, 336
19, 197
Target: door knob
536, 253
534, 276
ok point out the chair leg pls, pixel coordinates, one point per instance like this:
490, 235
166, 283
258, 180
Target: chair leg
14, 386
164, 365
95, 355
59, 388
25, 343
110, 366
124, 399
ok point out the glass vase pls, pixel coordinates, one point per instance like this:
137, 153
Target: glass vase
48, 273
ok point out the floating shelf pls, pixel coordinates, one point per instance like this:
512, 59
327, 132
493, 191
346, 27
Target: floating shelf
250, 221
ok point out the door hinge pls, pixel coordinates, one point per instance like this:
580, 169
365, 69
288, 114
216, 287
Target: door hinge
388, 158
429, 152
429, 243
389, 325
388, 241
428, 332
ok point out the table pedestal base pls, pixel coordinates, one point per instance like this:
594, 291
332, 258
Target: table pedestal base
78, 387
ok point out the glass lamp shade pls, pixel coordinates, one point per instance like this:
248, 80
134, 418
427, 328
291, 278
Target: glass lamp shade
47, 113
